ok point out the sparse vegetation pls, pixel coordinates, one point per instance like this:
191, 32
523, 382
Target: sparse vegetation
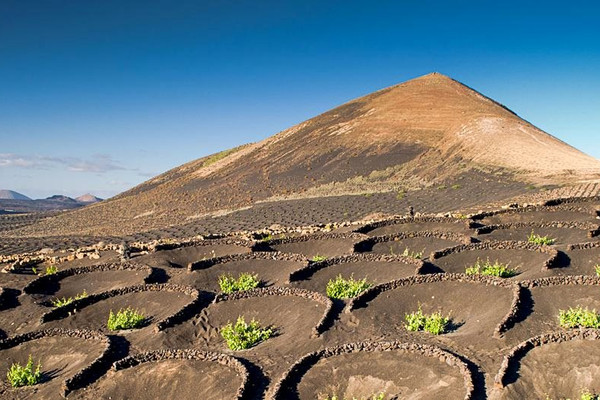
587, 395
441, 187
579, 317
318, 258
242, 335
19, 375
340, 288
541, 240
219, 156
433, 323
487, 268
455, 186
597, 269
400, 195
51, 270
127, 318
413, 254
245, 281
68, 300
380, 396
267, 238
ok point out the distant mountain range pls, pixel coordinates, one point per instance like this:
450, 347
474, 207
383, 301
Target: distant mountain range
14, 202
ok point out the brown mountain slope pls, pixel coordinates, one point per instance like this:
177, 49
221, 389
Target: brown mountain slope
415, 134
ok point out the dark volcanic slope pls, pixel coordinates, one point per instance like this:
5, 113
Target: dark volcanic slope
422, 132
504, 340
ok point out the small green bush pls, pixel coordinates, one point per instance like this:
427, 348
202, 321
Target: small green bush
51, 270
541, 240
413, 254
340, 288
68, 300
587, 395
242, 335
487, 268
456, 186
318, 258
19, 375
245, 281
433, 323
579, 317
127, 318
597, 269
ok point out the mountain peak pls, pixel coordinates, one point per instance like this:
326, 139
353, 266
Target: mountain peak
421, 133
88, 198
12, 195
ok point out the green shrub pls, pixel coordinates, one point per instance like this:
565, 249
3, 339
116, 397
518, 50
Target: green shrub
19, 375
541, 240
318, 258
413, 254
68, 300
380, 396
433, 323
243, 335
51, 270
489, 269
341, 288
579, 317
245, 281
456, 186
587, 395
127, 318
597, 269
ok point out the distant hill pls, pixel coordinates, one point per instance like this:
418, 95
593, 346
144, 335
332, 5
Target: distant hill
11, 202
12, 195
423, 133
61, 198
88, 199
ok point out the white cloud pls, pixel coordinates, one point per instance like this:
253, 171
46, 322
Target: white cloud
97, 163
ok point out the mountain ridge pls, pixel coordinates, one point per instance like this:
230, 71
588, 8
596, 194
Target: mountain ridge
409, 136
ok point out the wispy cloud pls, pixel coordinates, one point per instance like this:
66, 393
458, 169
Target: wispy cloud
97, 163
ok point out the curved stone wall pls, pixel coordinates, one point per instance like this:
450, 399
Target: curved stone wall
367, 244
590, 228
264, 255
80, 378
266, 245
502, 245
313, 267
189, 354
299, 368
584, 246
179, 316
517, 352
285, 291
35, 285
203, 242
412, 220
506, 323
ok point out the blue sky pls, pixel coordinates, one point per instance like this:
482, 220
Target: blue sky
98, 96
